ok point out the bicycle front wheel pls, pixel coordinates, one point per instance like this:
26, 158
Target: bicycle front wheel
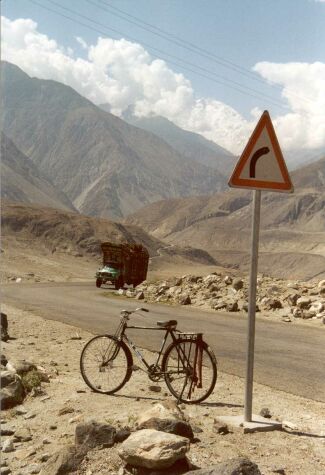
106, 364
190, 370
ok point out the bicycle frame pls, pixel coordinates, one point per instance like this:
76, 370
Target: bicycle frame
138, 353
197, 365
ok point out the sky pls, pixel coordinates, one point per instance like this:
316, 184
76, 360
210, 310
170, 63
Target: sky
210, 66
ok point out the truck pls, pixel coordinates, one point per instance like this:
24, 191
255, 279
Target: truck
123, 264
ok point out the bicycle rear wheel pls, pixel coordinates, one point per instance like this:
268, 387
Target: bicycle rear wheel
190, 370
106, 364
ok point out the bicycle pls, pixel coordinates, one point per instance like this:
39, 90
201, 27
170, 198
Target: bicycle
188, 366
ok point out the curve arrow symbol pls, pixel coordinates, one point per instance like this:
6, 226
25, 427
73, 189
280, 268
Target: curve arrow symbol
259, 153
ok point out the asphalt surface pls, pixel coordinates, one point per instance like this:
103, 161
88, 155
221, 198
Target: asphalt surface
287, 357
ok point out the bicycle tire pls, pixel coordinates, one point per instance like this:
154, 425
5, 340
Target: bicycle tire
106, 364
179, 380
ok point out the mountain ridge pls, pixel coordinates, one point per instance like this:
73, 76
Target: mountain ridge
105, 166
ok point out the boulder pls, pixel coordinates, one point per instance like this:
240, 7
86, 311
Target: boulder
292, 299
304, 302
238, 284
164, 410
12, 390
153, 449
237, 466
184, 299
321, 285
316, 307
3, 361
22, 366
140, 295
232, 307
92, 434
23, 434
171, 426
4, 327
66, 460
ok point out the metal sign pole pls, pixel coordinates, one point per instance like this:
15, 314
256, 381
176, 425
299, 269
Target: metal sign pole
252, 306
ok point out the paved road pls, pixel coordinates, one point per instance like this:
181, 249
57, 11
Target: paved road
287, 357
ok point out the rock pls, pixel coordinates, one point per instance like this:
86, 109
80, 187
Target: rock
92, 434
4, 327
34, 468
65, 410
184, 299
321, 284
164, 410
237, 466
238, 284
227, 280
18, 280
12, 390
153, 449
292, 299
304, 302
23, 366
140, 296
66, 460
30, 415
122, 434
265, 412
21, 410
154, 388
220, 427
220, 305
23, 434
232, 307
171, 426
316, 307
3, 360
297, 313
5, 470
8, 446
6, 431
272, 304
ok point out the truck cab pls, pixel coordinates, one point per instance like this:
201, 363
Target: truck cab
123, 264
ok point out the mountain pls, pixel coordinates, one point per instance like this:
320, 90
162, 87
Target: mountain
105, 166
22, 181
292, 240
311, 176
189, 144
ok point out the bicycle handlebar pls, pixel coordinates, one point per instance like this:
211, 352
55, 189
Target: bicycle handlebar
128, 312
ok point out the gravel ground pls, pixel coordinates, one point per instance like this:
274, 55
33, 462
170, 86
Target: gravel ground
298, 449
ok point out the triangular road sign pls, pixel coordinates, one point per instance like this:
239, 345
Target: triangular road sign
262, 166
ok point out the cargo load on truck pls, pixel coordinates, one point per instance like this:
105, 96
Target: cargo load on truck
123, 264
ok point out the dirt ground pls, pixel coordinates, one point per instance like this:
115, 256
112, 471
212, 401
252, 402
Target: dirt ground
298, 449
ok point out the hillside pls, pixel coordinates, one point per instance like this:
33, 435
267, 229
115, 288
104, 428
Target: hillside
292, 226
106, 167
189, 144
22, 181
60, 245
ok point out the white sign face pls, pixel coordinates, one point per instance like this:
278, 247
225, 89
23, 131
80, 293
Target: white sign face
262, 165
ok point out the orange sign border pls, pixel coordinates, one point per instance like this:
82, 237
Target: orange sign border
235, 181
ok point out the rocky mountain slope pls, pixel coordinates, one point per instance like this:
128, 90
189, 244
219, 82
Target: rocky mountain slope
105, 166
189, 144
50, 244
22, 181
292, 226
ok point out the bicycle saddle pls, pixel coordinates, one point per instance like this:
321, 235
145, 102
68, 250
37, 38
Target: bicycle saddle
168, 323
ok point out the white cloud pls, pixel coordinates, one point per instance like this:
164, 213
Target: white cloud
124, 74
304, 89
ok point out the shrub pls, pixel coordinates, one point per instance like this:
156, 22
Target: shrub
31, 380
